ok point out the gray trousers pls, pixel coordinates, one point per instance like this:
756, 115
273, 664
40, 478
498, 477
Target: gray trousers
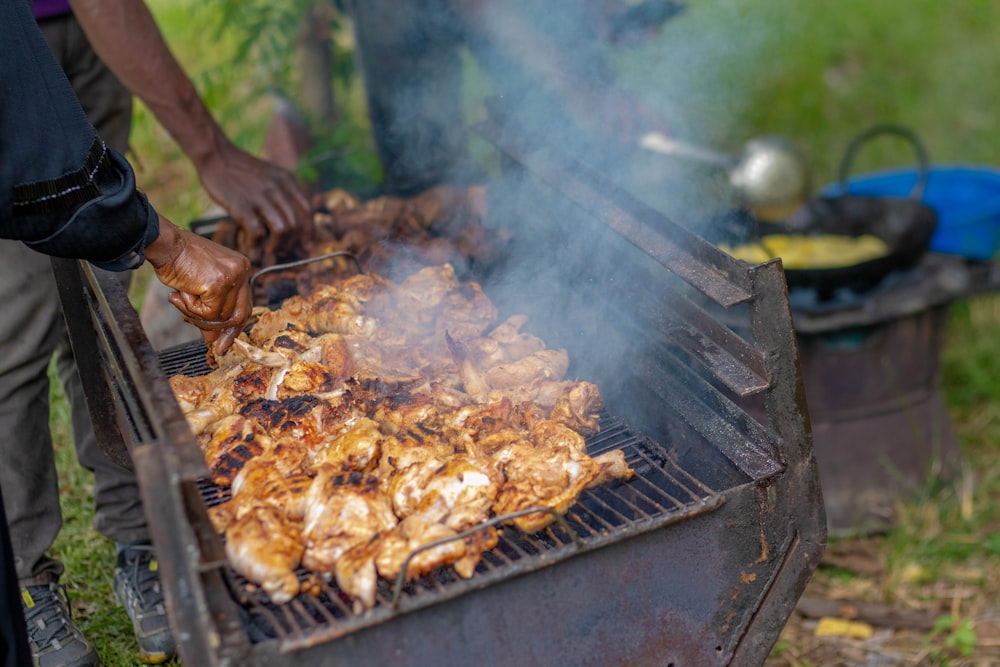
31, 331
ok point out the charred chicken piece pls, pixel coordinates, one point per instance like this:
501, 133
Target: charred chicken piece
579, 407
343, 511
549, 471
265, 547
356, 450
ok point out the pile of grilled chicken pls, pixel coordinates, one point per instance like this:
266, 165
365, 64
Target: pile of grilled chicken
392, 236
368, 418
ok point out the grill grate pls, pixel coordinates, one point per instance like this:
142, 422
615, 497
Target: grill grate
660, 492
187, 358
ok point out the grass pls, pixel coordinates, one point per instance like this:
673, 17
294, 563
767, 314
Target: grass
818, 73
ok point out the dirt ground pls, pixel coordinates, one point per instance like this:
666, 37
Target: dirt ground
857, 613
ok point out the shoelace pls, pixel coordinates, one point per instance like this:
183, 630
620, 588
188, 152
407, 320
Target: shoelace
146, 581
47, 620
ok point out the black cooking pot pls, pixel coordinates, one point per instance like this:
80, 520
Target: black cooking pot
904, 224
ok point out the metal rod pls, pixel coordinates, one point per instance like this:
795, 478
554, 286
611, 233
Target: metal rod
302, 262
401, 577
658, 142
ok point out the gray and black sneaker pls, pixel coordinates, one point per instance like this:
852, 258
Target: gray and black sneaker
137, 587
54, 639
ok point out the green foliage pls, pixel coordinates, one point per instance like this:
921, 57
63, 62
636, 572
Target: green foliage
265, 35
342, 157
951, 637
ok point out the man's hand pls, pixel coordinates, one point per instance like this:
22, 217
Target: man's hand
212, 282
263, 199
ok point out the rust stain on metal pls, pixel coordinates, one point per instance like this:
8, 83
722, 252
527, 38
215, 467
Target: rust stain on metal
763, 547
747, 578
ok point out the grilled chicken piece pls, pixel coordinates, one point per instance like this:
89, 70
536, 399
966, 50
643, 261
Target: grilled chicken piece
550, 471
521, 378
342, 511
428, 303
189, 390
304, 377
579, 407
613, 466
466, 311
335, 315
289, 455
296, 417
541, 478
543, 393
481, 429
473, 379
327, 310
412, 533
243, 351
206, 399
263, 483
291, 343
457, 494
357, 449
332, 352
402, 450
404, 412
425, 289
510, 343
476, 545
265, 547
356, 573
271, 323
230, 444
541, 365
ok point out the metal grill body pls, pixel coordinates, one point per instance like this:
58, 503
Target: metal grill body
697, 560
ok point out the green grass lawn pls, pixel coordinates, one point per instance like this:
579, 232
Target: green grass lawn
727, 70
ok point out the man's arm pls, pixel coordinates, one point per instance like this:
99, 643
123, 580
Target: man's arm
64, 194
264, 199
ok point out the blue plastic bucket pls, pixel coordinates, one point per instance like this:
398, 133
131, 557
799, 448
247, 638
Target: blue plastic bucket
965, 198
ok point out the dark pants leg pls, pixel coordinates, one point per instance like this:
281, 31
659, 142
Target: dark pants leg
408, 54
14, 650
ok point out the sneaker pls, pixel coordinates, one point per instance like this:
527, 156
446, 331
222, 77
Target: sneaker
137, 587
54, 639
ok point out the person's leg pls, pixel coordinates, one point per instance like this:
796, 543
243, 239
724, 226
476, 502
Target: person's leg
409, 58
29, 332
14, 651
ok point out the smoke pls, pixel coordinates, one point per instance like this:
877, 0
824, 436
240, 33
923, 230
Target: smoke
548, 74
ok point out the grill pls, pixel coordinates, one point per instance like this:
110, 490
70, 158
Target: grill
698, 559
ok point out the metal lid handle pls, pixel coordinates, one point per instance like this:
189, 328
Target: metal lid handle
923, 160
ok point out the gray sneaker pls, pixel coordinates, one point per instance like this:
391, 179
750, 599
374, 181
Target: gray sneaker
54, 639
137, 587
